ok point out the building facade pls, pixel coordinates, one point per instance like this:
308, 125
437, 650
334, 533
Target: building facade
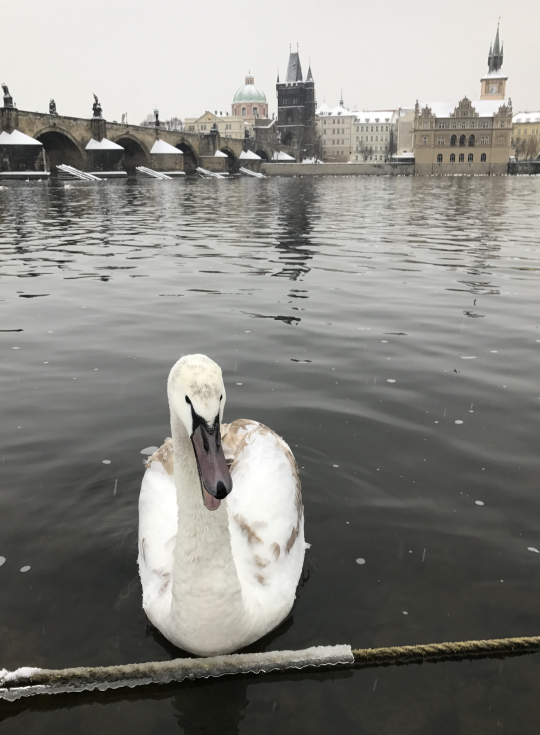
231, 127
335, 131
467, 137
374, 136
526, 134
296, 109
249, 102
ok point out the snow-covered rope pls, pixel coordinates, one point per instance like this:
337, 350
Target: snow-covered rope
25, 682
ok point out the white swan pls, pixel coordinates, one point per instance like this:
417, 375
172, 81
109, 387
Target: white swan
214, 582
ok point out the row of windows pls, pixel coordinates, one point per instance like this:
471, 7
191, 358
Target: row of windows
470, 158
361, 137
463, 141
441, 124
360, 128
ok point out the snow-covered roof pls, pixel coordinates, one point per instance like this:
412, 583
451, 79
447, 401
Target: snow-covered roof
17, 138
494, 75
526, 117
282, 156
377, 116
484, 108
220, 154
249, 154
161, 146
339, 110
102, 145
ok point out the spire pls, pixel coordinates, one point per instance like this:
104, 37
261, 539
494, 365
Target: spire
278, 76
341, 99
294, 70
495, 58
309, 77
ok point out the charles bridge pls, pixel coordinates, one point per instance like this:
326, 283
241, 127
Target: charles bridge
64, 140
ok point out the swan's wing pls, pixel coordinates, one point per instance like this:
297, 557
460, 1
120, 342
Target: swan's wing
266, 515
158, 522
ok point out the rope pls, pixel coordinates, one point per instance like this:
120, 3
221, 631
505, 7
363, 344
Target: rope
445, 651
26, 681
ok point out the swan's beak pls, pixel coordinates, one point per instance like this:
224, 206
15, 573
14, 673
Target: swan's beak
216, 480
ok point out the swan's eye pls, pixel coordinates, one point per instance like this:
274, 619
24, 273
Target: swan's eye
188, 401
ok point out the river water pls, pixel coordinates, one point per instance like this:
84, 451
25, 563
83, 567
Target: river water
387, 328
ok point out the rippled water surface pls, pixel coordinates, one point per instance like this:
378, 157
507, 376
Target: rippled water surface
388, 329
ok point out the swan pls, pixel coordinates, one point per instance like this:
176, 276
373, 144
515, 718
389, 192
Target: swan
221, 521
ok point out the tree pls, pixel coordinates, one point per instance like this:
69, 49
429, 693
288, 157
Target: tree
391, 148
175, 123
531, 147
366, 151
148, 120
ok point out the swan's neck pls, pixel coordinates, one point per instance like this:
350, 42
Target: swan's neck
205, 585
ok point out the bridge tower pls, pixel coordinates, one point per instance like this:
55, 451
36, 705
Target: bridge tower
296, 108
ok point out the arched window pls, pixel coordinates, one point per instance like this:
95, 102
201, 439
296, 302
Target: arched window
461, 157
453, 140
462, 139
452, 158
439, 158
255, 114
483, 157
470, 158
472, 140
243, 111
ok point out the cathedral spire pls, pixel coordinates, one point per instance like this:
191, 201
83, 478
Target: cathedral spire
495, 58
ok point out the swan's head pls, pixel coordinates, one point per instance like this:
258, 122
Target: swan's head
197, 395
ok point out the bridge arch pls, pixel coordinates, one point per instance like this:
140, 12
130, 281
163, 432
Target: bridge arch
191, 162
136, 152
60, 148
261, 152
232, 159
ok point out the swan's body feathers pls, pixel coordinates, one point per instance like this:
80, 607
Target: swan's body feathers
266, 523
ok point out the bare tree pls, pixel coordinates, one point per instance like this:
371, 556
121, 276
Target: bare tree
391, 148
148, 120
366, 151
175, 123
531, 147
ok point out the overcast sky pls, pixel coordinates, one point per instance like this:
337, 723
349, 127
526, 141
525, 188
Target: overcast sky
187, 57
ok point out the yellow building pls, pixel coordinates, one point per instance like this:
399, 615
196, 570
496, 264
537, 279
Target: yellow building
526, 134
229, 126
467, 137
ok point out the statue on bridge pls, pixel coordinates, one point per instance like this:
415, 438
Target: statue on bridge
8, 99
214, 129
52, 108
246, 133
96, 107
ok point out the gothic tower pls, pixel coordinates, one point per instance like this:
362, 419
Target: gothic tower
296, 108
494, 82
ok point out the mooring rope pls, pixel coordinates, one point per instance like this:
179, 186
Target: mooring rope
26, 681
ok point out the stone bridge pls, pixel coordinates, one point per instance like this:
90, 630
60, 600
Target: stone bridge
65, 139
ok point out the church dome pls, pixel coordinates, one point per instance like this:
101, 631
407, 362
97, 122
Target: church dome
249, 92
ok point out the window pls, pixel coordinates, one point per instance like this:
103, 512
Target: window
463, 125
502, 123
472, 140
454, 125
440, 141
485, 140
425, 126
462, 139
470, 158
439, 158
453, 140
424, 141
483, 157
472, 124
243, 111
255, 112
452, 158
461, 157
485, 123
440, 125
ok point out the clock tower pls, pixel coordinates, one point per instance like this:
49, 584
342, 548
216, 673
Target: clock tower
494, 82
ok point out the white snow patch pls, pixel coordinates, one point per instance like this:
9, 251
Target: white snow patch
360, 561
106, 461
479, 502
102, 145
390, 380
2, 560
458, 421
468, 357
25, 569
161, 146
250, 155
531, 548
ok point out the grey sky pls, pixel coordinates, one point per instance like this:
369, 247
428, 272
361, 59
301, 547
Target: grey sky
186, 57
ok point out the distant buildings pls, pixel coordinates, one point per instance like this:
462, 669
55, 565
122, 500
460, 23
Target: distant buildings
231, 127
526, 134
335, 130
466, 137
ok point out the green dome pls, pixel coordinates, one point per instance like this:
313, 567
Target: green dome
249, 93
